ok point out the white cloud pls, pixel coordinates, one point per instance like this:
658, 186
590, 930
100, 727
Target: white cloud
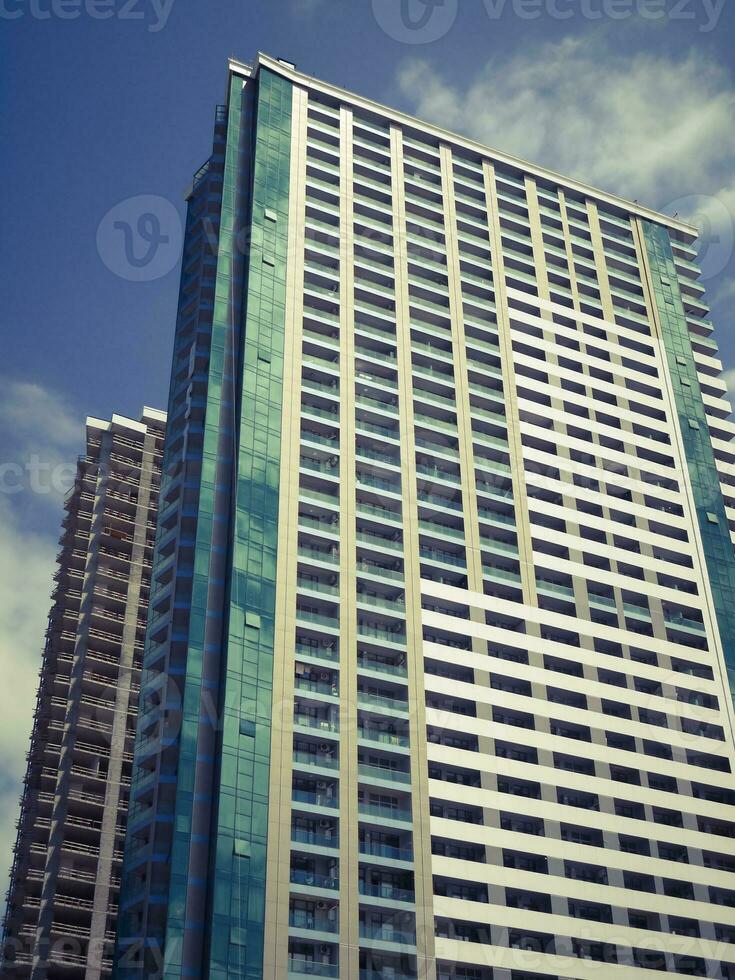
35, 413
26, 573
725, 293
646, 126
305, 8
729, 378
42, 436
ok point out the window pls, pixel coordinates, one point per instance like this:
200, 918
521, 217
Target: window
589, 836
522, 824
639, 882
519, 787
573, 797
579, 871
525, 862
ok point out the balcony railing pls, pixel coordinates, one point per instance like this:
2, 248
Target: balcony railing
303, 967
387, 890
300, 877
386, 850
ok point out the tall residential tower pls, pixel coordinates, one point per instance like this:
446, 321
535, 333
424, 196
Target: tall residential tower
65, 879
435, 678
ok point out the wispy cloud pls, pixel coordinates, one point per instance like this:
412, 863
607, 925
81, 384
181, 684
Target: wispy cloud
306, 8
646, 126
41, 438
729, 378
25, 585
42, 435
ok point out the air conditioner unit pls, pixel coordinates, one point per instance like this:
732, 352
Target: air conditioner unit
325, 949
325, 823
322, 906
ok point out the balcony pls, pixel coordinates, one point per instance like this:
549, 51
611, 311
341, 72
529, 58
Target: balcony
382, 695
310, 878
380, 510
309, 615
315, 720
317, 681
679, 621
372, 628
315, 791
327, 467
387, 890
389, 405
317, 837
367, 479
320, 917
454, 559
369, 660
375, 735
322, 757
328, 554
313, 584
300, 966
326, 650
383, 773
382, 811
311, 958
394, 603
368, 533
382, 849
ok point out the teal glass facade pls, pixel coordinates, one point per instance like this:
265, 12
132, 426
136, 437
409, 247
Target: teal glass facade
193, 892
713, 524
247, 689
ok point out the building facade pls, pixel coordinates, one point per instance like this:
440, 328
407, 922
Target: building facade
65, 879
436, 674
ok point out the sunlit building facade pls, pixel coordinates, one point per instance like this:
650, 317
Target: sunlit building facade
436, 671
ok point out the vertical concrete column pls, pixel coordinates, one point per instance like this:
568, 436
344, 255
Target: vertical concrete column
461, 385
348, 813
412, 572
505, 341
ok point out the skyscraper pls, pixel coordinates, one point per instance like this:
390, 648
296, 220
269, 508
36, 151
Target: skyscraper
62, 903
436, 671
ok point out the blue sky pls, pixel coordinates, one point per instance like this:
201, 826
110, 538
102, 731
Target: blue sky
107, 112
